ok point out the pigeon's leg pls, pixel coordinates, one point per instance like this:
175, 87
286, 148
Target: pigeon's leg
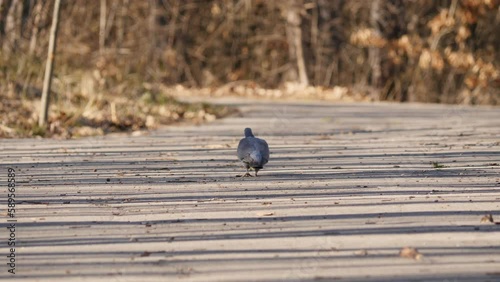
248, 173
256, 170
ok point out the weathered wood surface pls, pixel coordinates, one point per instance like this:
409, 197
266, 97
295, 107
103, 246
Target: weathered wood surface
347, 186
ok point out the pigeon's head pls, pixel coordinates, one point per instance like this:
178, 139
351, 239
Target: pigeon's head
248, 132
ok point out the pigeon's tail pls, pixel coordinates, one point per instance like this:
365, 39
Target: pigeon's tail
248, 132
256, 159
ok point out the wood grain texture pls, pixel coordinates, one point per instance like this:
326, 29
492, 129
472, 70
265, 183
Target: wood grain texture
347, 187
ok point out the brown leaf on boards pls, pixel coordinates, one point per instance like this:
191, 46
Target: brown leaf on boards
410, 252
361, 253
488, 218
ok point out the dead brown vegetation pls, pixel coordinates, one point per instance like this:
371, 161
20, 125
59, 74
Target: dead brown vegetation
426, 51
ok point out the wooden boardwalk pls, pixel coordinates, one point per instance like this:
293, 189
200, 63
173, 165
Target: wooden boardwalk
347, 187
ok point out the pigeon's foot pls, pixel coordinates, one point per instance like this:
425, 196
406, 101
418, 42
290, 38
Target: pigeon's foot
245, 175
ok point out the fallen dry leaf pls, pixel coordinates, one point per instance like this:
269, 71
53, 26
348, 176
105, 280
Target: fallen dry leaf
410, 252
266, 214
488, 218
362, 253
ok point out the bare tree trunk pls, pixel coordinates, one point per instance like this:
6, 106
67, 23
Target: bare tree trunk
113, 10
121, 23
35, 28
9, 31
374, 52
102, 27
327, 47
172, 25
316, 44
4, 11
152, 30
47, 80
294, 36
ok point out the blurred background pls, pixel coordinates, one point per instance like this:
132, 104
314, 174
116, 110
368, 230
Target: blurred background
120, 63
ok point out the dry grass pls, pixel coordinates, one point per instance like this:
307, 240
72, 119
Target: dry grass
77, 114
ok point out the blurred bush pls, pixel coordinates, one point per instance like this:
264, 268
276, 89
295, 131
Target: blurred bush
417, 50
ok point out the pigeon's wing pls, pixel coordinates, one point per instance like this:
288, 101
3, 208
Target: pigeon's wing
264, 150
245, 148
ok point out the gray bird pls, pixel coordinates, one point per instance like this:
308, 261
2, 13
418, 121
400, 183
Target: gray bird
253, 152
